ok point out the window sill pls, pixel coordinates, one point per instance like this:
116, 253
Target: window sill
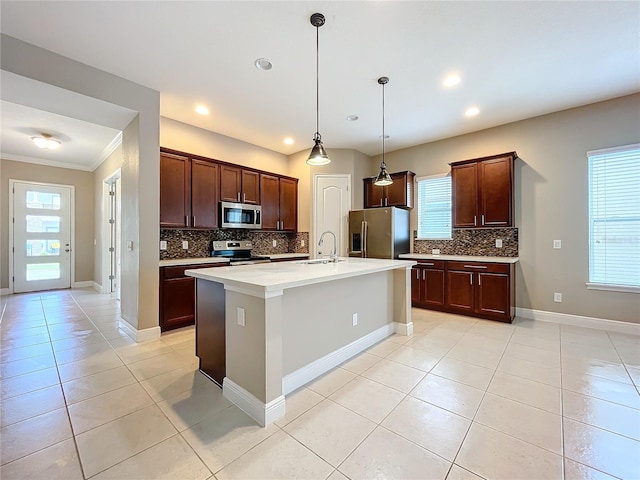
613, 288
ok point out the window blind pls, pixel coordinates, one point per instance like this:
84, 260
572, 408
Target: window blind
614, 216
434, 207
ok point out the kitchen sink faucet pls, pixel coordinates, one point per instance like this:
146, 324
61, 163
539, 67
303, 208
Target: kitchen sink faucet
333, 256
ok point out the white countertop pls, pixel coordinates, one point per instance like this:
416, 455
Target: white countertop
277, 256
270, 277
191, 261
459, 258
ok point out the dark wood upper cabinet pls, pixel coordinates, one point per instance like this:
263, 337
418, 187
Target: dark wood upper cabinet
175, 190
482, 191
279, 198
204, 198
239, 185
398, 194
188, 192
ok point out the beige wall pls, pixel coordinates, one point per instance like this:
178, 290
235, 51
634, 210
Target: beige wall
84, 218
551, 200
186, 138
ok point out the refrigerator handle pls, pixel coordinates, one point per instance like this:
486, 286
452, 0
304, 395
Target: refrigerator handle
363, 236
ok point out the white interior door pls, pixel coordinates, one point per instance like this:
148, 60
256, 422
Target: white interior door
41, 237
332, 202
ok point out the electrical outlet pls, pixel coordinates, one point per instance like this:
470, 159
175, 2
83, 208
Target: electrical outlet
435, 251
557, 297
354, 320
185, 245
240, 312
557, 244
302, 242
163, 244
275, 243
498, 243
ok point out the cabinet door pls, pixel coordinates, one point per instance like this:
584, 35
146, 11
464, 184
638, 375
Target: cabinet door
416, 285
250, 187
496, 192
464, 193
288, 204
493, 294
175, 190
433, 290
178, 303
230, 183
400, 192
460, 291
373, 195
269, 192
204, 194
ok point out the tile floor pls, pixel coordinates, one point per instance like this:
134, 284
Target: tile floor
460, 399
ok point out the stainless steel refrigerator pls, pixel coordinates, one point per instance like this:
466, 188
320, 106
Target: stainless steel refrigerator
378, 232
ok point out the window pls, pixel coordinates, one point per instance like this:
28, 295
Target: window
614, 219
434, 207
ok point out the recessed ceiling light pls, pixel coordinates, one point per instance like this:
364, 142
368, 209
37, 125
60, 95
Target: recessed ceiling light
263, 64
202, 110
46, 142
472, 112
451, 80
288, 141
352, 118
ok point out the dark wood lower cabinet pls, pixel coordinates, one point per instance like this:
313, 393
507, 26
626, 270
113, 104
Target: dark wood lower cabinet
427, 285
485, 290
210, 329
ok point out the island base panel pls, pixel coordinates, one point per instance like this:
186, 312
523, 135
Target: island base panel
210, 329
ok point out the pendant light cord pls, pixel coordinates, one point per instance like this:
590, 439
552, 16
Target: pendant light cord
317, 135
383, 163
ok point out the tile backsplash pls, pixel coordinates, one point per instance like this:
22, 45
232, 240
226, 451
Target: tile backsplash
470, 241
199, 242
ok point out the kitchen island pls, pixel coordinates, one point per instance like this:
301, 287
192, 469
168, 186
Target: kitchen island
285, 324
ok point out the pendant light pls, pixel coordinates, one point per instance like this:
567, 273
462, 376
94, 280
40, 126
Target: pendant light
318, 155
383, 177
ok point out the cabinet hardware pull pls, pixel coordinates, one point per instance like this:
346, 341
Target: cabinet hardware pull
244, 197
471, 279
427, 264
479, 280
193, 221
482, 219
186, 220
474, 221
417, 274
423, 274
475, 266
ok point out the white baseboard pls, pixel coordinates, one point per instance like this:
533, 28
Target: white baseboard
5, 291
83, 284
403, 328
312, 370
579, 321
262, 413
140, 336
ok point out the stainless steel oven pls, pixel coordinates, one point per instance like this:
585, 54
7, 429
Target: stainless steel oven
240, 215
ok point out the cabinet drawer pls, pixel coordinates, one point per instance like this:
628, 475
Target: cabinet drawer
479, 267
435, 264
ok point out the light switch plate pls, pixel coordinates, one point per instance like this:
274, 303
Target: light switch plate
435, 251
240, 316
557, 244
354, 320
130, 245
163, 244
185, 245
275, 243
302, 243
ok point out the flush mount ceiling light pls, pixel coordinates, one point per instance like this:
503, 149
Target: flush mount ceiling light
318, 155
288, 141
202, 110
451, 80
46, 141
263, 64
472, 112
352, 118
383, 177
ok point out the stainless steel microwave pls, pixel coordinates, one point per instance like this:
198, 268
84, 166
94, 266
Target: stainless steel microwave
240, 215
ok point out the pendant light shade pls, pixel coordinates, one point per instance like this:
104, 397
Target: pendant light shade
318, 155
383, 177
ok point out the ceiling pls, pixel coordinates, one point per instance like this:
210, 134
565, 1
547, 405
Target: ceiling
516, 60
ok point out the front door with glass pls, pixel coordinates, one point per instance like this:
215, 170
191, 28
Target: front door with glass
41, 237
